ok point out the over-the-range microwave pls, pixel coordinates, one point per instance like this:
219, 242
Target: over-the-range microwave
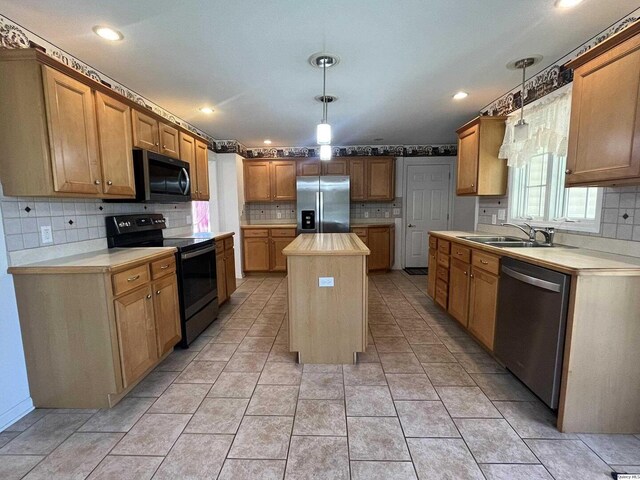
160, 179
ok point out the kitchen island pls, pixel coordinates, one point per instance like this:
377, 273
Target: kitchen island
328, 291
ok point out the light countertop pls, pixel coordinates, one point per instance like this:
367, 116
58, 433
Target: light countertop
208, 235
269, 225
372, 224
577, 261
326, 244
91, 262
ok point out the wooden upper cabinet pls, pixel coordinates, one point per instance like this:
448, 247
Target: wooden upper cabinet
483, 306
71, 121
116, 145
167, 313
381, 178
283, 180
336, 166
309, 167
188, 154
604, 133
357, 179
169, 141
459, 285
146, 133
480, 171
257, 181
202, 166
136, 333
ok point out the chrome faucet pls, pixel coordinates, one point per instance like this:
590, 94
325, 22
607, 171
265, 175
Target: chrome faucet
547, 232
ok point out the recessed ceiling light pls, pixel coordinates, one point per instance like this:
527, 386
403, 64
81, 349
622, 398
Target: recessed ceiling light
567, 3
206, 110
267, 142
460, 95
108, 33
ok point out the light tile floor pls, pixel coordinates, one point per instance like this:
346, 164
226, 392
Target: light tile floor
425, 401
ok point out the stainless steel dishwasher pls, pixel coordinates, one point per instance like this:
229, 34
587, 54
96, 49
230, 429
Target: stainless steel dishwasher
530, 326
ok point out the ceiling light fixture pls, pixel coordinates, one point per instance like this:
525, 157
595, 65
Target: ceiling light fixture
267, 142
567, 3
108, 33
325, 152
207, 110
521, 128
323, 130
460, 95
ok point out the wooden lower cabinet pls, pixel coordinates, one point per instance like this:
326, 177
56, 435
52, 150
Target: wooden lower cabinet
483, 304
256, 254
433, 267
167, 314
278, 260
459, 283
381, 242
263, 249
225, 268
221, 276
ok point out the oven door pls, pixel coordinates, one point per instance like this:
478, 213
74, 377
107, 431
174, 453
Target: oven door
198, 276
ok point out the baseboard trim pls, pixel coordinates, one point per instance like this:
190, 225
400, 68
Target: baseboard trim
15, 413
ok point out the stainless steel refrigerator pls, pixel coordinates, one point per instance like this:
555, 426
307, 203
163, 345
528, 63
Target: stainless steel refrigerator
323, 204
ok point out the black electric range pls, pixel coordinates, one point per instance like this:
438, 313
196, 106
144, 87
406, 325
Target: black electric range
195, 266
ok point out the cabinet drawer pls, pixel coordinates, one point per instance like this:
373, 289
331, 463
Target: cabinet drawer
444, 246
361, 232
163, 267
443, 273
487, 262
461, 253
441, 293
228, 243
130, 279
283, 232
255, 232
443, 259
433, 242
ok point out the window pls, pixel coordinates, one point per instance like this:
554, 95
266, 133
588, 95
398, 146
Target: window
200, 212
537, 195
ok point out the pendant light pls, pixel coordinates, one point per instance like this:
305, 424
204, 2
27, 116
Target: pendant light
323, 130
325, 152
521, 128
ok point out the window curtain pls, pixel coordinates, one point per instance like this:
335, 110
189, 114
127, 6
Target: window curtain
548, 121
200, 211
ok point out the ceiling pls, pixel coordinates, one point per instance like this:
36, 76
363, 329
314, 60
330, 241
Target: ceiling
401, 60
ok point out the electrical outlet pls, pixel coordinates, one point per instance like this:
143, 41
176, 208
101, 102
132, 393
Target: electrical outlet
278, 214
396, 211
502, 214
325, 282
494, 219
386, 214
366, 214
46, 236
189, 219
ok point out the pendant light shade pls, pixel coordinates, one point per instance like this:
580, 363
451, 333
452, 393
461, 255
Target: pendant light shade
325, 152
323, 134
521, 129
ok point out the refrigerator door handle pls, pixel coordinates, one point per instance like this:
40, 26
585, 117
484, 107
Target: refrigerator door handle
319, 215
321, 211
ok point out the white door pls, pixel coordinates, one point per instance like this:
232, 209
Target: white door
427, 209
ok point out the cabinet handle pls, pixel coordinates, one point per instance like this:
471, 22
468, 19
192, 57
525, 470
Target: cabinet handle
148, 296
131, 279
458, 253
484, 262
109, 182
164, 267
157, 292
97, 182
567, 171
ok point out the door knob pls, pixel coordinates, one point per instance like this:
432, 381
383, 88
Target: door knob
411, 225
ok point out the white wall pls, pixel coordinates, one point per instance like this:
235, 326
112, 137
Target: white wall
15, 400
230, 198
214, 193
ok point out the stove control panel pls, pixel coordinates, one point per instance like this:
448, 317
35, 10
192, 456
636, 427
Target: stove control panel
120, 224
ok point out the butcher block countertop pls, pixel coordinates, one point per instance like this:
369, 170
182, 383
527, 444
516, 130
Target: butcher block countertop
326, 244
107, 260
574, 261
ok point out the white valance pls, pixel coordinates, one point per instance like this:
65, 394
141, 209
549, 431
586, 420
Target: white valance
548, 121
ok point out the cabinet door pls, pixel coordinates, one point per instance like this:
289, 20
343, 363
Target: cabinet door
145, 131
221, 275
116, 145
483, 306
169, 141
136, 334
188, 154
202, 165
604, 135
379, 242
257, 181
468, 151
256, 255
278, 260
230, 270
167, 313
357, 176
71, 120
309, 167
336, 167
459, 283
433, 267
283, 180
380, 179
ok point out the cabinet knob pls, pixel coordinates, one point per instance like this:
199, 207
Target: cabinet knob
471, 276
148, 296
567, 171
164, 146
97, 182
472, 185
157, 292
109, 182
157, 144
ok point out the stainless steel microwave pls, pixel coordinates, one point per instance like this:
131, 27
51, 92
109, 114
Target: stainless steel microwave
160, 179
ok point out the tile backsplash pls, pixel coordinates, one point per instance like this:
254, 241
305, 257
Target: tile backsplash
620, 213
73, 220
254, 212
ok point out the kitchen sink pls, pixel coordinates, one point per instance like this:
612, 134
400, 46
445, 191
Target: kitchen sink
506, 242
488, 239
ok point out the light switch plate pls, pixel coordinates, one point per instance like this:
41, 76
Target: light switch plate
366, 214
396, 211
494, 219
278, 214
502, 214
325, 282
189, 219
46, 236
386, 214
